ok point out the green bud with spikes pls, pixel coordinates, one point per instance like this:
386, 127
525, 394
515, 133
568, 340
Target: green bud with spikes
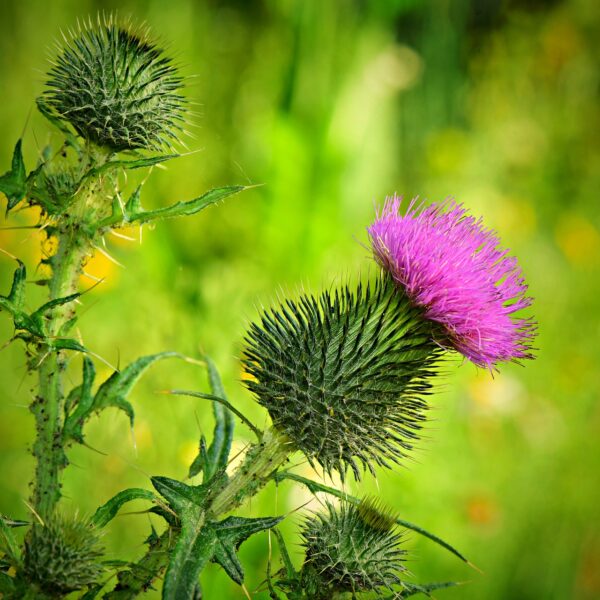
116, 88
62, 555
351, 549
344, 375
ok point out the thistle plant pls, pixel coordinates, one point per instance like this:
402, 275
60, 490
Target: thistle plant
344, 375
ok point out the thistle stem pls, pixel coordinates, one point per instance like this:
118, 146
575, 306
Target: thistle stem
254, 472
48, 406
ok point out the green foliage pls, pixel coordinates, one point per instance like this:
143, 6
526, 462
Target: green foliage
344, 375
108, 511
116, 89
62, 555
13, 182
82, 404
215, 458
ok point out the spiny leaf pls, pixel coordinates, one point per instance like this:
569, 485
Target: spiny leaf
14, 182
412, 589
231, 533
139, 163
81, 398
109, 510
216, 456
14, 302
190, 207
316, 487
181, 497
114, 391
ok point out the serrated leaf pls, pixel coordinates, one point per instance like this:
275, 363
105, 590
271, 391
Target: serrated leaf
114, 391
78, 404
191, 207
412, 589
8, 543
14, 182
109, 510
139, 163
231, 533
66, 344
316, 487
181, 497
216, 457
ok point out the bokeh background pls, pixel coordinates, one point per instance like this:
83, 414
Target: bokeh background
333, 105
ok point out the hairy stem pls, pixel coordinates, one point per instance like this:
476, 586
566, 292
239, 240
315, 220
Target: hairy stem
254, 472
74, 246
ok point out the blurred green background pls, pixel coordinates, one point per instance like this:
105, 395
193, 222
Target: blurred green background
332, 105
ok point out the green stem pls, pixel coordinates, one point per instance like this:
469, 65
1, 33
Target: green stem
48, 406
255, 471
74, 245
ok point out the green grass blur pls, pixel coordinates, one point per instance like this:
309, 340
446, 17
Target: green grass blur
332, 105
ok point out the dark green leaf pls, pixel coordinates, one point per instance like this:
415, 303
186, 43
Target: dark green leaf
218, 452
66, 344
13, 183
182, 498
81, 399
114, 391
230, 533
108, 511
315, 487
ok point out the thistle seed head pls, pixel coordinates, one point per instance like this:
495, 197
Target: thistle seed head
116, 88
351, 549
62, 555
344, 375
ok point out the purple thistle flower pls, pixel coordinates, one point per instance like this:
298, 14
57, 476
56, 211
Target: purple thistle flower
455, 269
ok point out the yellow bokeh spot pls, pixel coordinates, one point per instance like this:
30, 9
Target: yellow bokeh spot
100, 267
578, 239
143, 435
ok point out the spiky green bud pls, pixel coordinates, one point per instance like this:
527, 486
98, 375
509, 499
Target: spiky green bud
344, 375
116, 88
62, 555
351, 549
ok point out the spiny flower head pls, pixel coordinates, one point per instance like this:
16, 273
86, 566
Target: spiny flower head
449, 264
116, 88
344, 375
351, 549
62, 555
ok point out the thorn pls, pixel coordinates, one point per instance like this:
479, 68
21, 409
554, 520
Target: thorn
246, 592
8, 254
93, 449
98, 280
35, 513
107, 255
122, 236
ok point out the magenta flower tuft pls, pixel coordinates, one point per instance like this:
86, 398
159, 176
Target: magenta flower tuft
455, 269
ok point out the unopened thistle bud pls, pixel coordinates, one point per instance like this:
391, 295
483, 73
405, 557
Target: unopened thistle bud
454, 268
62, 555
344, 375
351, 549
116, 88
